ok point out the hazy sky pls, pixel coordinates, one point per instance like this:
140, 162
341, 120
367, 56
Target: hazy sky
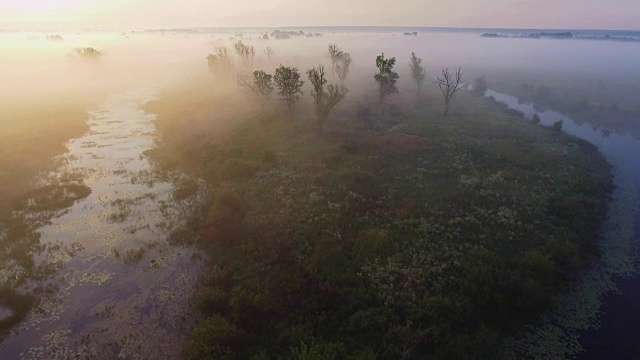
607, 14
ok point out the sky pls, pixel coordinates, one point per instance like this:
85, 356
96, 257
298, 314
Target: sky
568, 14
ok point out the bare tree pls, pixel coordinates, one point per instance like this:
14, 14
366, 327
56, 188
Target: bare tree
324, 101
342, 67
334, 53
219, 61
289, 85
269, 52
449, 85
246, 53
417, 70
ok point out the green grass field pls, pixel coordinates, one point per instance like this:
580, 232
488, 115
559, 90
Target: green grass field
393, 234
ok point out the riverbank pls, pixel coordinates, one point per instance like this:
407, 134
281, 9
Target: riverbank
30, 138
433, 235
608, 105
589, 320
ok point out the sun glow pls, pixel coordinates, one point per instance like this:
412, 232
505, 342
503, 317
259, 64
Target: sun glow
42, 4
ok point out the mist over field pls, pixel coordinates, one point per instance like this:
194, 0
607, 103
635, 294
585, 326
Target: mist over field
159, 199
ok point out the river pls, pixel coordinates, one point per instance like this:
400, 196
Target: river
597, 319
122, 290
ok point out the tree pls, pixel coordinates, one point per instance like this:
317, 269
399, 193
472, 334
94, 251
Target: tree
386, 77
88, 53
449, 85
536, 118
334, 53
261, 85
480, 85
219, 61
289, 85
269, 52
246, 53
324, 101
417, 70
342, 67
557, 126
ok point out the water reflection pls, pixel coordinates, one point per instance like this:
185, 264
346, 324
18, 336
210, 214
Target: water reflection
118, 288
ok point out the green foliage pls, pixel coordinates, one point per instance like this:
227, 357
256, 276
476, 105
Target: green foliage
213, 338
417, 70
386, 77
262, 85
557, 126
289, 85
318, 351
434, 240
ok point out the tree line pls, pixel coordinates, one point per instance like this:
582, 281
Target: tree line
326, 96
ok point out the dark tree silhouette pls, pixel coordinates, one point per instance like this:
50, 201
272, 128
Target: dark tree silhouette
219, 61
480, 85
417, 70
289, 85
343, 66
334, 53
324, 101
386, 77
449, 85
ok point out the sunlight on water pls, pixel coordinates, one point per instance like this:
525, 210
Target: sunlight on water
122, 291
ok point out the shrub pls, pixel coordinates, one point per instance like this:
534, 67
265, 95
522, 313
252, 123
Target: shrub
557, 126
213, 338
536, 118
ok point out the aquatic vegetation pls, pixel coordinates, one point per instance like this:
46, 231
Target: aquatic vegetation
101, 264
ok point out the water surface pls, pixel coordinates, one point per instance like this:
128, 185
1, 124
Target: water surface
121, 290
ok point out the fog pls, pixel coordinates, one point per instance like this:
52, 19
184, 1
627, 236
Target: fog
147, 179
37, 68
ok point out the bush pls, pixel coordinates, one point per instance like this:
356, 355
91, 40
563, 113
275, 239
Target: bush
536, 119
213, 338
480, 85
557, 126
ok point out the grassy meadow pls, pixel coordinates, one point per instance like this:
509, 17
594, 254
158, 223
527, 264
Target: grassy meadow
393, 232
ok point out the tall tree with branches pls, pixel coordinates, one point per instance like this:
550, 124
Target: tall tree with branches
246, 54
343, 66
289, 85
219, 60
417, 70
334, 53
386, 77
262, 85
269, 52
324, 101
449, 85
